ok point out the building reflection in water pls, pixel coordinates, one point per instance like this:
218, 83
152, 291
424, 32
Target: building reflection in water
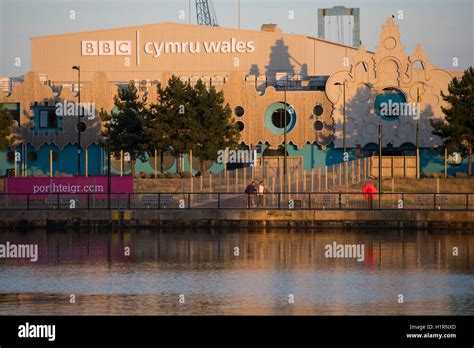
271, 265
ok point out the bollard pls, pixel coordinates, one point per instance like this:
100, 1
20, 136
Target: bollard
352, 171
365, 168
296, 181
273, 190
319, 179
304, 180
358, 170
333, 175
340, 174
326, 178
236, 180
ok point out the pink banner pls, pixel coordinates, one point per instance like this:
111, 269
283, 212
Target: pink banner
68, 185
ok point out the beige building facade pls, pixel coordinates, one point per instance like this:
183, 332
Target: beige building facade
321, 82
146, 52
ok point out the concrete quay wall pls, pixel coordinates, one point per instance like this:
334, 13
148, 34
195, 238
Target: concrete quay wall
240, 218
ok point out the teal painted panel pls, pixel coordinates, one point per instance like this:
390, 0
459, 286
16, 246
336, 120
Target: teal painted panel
314, 156
66, 162
4, 164
392, 99
432, 161
268, 118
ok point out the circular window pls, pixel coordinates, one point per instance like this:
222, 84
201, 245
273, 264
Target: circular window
390, 104
277, 120
239, 111
81, 126
32, 156
318, 110
318, 126
55, 156
280, 119
240, 125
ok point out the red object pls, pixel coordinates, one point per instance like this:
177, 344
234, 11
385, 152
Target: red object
369, 191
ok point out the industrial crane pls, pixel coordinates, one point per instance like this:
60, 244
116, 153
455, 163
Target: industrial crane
206, 15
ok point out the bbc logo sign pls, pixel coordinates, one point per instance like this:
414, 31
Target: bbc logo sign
106, 48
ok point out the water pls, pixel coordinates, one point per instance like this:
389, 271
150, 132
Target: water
271, 266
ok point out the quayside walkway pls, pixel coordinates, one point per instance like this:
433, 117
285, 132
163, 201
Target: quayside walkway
305, 210
232, 201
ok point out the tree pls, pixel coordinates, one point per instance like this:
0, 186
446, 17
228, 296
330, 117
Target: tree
126, 125
191, 118
457, 128
156, 130
172, 125
6, 123
217, 129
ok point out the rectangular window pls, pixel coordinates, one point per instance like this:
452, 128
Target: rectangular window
43, 119
52, 119
48, 118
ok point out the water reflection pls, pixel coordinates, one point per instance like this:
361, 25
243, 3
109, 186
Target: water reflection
203, 266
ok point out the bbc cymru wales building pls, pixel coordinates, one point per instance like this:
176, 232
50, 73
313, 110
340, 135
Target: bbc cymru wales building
323, 79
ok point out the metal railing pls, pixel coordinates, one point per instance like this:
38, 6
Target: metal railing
226, 200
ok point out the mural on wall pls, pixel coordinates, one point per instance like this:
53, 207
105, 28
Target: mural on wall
261, 116
34, 96
309, 117
392, 77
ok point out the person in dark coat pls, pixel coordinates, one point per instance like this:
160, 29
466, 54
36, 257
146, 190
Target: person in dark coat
250, 190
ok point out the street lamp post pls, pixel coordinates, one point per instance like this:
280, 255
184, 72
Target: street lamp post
284, 137
109, 186
380, 165
344, 116
346, 176
78, 68
417, 138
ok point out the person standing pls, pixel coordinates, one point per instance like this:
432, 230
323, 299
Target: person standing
369, 191
261, 194
250, 190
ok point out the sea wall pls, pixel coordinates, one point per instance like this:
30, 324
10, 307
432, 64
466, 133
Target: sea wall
304, 219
